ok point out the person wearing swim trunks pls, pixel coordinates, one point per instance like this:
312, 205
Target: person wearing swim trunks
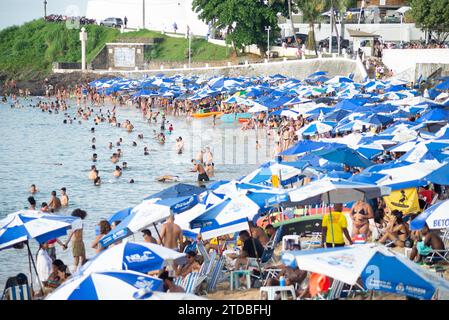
198, 167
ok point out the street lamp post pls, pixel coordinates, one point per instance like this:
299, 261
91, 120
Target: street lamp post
190, 45
83, 39
45, 8
268, 41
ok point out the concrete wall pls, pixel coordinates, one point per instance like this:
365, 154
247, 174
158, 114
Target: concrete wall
403, 62
299, 69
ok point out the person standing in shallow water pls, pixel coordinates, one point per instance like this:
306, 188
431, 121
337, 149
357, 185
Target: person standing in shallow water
54, 203
78, 248
64, 197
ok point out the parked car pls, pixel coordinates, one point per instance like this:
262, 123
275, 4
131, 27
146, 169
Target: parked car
112, 22
324, 43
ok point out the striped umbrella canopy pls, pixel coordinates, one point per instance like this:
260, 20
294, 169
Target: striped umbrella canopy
24, 225
106, 285
136, 256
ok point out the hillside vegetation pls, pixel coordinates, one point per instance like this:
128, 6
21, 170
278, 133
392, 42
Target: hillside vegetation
28, 51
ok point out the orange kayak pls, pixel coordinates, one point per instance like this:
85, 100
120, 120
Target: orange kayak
207, 114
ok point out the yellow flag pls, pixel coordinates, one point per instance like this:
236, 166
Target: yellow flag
275, 181
404, 200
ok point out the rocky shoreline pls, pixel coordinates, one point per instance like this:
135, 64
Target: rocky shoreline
36, 86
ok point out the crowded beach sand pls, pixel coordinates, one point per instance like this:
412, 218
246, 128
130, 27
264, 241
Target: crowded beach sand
345, 197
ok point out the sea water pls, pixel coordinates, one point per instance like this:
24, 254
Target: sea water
38, 148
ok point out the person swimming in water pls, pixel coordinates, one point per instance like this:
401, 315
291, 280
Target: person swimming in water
167, 178
94, 157
145, 151
33, 189
134, 144
124, 165
97, 181
93, 173
162, 138
114, 158
117, 171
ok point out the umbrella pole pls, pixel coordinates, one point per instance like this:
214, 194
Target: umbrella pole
30, 257
330, 219
157, 231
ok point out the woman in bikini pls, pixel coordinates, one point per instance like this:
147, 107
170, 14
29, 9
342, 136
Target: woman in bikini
360, 214
396, 231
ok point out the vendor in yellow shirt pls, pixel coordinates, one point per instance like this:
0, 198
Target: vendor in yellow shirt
332, 232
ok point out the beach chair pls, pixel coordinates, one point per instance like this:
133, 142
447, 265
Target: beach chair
216, 274
20, 292
261, 267
333, 293
202, 250
315, 240
440, 255
190, 247
17, 288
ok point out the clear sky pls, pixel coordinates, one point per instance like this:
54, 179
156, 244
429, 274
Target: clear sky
16, 12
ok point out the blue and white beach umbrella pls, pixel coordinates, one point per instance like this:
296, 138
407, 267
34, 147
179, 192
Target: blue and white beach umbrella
336, 191
234, 212
136, 256
289, 172
148, 212
106, 285
28, 224
436, 217
316, 127
379, 268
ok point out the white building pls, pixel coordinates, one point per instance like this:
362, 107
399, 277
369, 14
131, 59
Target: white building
159, 14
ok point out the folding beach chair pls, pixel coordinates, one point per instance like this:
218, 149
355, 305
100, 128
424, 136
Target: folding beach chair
333, 293
17, 288
202, 250
190, 247
189, 283
216, 274
440, 255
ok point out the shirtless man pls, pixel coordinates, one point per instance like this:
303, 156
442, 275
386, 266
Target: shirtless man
64, 197
92, 173
54, 203
171, 234
198, 167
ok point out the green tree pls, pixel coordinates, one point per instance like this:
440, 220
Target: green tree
311, 11
432, 16
244, 20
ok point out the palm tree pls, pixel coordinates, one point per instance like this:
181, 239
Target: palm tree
311, 11
289, 4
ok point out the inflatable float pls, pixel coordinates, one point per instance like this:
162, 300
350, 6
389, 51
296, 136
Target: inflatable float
207, 114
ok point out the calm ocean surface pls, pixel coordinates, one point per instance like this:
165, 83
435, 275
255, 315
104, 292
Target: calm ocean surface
37, 147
